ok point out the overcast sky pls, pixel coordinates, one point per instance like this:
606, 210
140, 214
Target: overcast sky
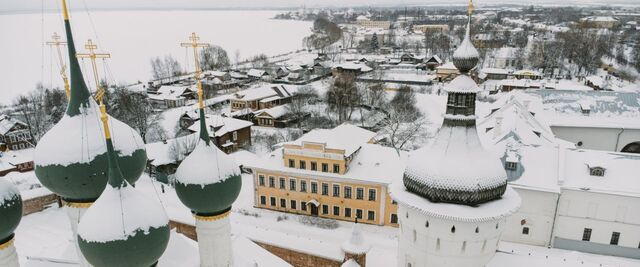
31, 5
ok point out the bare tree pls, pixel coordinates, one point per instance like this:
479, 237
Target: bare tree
300, 102
343, 97
31, 109
404, 123
132, 108
181, 147
214, 58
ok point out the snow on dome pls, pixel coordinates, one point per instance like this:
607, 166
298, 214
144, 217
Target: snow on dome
118, 214
206, 165
356, 243
350, 263
79, 139
466, 56
455, 168
462, 84
7, 191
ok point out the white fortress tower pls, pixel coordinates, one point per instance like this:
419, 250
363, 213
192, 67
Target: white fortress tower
454, 199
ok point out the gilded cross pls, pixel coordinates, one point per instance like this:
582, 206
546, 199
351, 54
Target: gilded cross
55, 42
195, 45
93, 56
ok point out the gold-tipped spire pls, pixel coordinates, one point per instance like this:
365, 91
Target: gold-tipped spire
65, 12
470, 7
55, 42
93, 56
195, 45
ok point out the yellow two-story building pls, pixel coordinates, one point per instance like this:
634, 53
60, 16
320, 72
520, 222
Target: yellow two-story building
338, 174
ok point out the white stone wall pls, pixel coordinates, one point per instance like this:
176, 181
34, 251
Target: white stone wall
437, 245
537, 212
603, 213
597, 138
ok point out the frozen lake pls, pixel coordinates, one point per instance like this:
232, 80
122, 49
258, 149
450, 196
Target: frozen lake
133, 38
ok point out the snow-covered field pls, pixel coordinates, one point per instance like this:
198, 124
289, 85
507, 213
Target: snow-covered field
133, 38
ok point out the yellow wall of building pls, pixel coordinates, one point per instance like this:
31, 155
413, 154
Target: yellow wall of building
340, 201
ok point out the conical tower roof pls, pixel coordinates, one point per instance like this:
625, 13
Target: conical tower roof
71, 158
123, 227
455, 168
356, 244
208, 180
10, 210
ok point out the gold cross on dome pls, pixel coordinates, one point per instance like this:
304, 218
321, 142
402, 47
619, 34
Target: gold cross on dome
93, 56
55, 42
195, 45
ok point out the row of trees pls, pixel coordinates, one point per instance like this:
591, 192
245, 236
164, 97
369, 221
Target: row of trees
324, 34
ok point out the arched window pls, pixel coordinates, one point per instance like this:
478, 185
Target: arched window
426, 224
496, 225
477, 229
453, 229
632, 148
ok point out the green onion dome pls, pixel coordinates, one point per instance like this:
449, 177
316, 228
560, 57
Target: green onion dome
123, 228
10, 210
71, 158
208, 180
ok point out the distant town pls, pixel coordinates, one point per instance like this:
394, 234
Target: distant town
401, 136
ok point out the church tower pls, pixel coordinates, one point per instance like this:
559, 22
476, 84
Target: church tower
208, 181
454, 199
71, 158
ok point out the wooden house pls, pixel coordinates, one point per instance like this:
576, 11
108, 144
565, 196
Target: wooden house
14, 134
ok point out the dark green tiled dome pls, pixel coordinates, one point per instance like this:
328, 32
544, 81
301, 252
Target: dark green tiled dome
10, 210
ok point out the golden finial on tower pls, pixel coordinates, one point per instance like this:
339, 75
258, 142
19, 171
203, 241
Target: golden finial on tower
195, 45
470, 7
93, 56
55, 42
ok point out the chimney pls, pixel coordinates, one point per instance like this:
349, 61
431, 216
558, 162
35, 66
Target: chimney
498, 128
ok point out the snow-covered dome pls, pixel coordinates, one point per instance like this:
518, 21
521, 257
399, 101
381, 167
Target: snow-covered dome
462, 84
123, 227
71, 158
208, 180
10, 210
356, 244
466, 56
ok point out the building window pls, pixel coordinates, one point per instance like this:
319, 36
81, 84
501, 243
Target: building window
394, 218
292, 184
372, 194
336, 190
283, 203
336, 168
615, 236
453, 229
347, 212
586, 235
325, 189
314, 187
525, 230
325, 167
303, 206
336, 211
272, 181
360, 193
325, 209
303, 164
261, 180
235, 136
358, 213
282, 183
347, 192
293, 204
263, 200
596, 171
371, 215
303, 186
273, 201
426, 224
393, 202
314, 166
511, 165
292, 163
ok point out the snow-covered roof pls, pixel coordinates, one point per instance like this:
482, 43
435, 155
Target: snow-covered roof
541, 168
527, 73
223, 125
7, 123
596, 80
373, 163
447, 66
488, 211
607, 109
10, 158
494, 71
462, 84
506, 52
345, 136
620, 177
599, 19
264, 92
353, 66
274, 112
256, 73
356, 244
161, 153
